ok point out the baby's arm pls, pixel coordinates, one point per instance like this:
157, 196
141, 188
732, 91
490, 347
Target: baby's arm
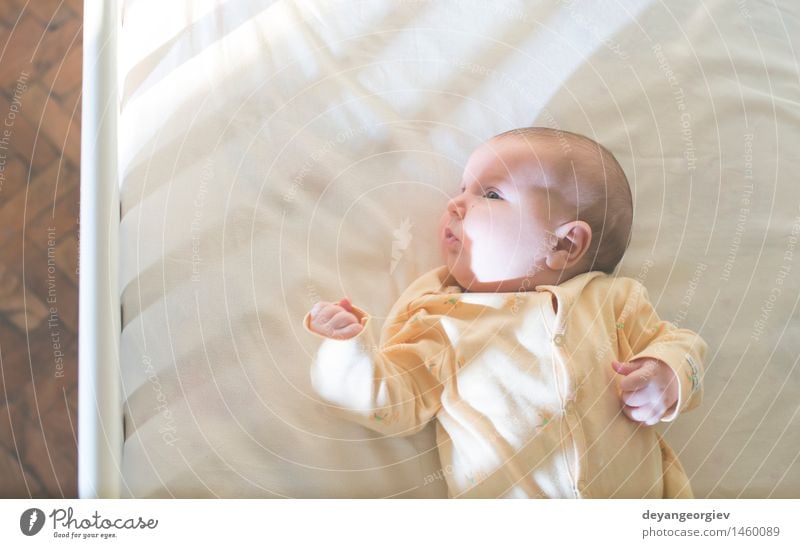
388, 389
664, 363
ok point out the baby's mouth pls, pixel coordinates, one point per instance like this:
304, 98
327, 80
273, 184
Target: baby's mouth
450, 238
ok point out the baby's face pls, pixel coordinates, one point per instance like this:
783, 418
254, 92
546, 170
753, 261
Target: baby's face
495, 233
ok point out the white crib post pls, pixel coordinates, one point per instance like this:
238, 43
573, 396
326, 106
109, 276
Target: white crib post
100, 406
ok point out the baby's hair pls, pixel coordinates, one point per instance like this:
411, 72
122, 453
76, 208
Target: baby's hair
605, 201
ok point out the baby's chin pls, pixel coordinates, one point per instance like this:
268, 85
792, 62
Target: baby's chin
462, 277
468, 281
492, 281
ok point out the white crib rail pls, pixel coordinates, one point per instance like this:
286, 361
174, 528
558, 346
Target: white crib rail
100, 407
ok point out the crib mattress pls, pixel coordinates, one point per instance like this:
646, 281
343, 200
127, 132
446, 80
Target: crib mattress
276, 154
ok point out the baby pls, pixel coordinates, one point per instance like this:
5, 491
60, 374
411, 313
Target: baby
545, 372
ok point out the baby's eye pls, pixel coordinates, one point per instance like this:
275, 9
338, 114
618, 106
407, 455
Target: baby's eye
492, 195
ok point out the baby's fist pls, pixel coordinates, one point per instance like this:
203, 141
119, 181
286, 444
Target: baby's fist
335, 321
649, 389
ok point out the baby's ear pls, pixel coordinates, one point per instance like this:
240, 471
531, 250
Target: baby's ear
571, 244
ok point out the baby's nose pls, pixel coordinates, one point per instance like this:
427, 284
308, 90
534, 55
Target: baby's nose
455, 207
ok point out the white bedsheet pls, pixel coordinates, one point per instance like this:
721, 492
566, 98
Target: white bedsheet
277, 154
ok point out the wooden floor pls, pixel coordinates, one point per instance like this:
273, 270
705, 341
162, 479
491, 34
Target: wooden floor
40, 86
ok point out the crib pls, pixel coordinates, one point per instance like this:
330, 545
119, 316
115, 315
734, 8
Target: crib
100, 402
243, 159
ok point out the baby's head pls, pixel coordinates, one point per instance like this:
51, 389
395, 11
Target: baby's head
537, 206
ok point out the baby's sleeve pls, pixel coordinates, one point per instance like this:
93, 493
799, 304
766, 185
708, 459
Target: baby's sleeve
645, 335
387, 388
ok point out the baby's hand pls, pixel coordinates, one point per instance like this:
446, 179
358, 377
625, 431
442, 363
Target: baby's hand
335, 321
649, 389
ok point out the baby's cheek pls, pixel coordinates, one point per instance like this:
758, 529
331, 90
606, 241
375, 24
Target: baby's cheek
443, 220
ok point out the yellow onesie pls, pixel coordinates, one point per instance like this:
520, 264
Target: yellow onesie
521, 385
